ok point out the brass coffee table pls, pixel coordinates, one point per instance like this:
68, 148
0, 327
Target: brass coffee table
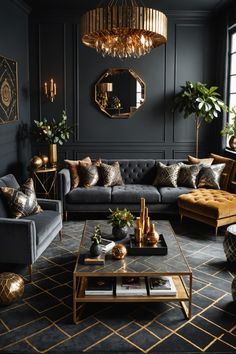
173, 264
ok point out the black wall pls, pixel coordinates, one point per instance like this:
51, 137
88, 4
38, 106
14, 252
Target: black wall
14, 145
153, 131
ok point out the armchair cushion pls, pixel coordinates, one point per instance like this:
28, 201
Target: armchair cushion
22, 201
6, 181
45, 224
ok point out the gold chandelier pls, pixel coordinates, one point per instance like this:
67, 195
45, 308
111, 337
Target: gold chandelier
124, 30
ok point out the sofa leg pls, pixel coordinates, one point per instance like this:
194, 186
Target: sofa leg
181, 218
65, 215
60, 235
216, 230
30, 268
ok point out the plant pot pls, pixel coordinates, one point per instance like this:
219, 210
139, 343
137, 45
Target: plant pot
232, 142
53, 155
95, 250
120, 232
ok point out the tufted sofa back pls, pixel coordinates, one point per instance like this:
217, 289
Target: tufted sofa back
140, 171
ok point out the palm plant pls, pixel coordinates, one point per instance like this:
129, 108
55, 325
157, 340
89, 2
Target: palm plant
202, 102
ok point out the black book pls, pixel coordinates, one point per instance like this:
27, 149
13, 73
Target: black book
99, 286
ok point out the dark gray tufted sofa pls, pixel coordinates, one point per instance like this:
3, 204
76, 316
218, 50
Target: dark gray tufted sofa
138, 176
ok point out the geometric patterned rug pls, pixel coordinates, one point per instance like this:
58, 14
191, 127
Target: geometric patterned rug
41, 322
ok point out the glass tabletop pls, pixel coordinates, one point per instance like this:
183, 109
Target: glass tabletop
172, 263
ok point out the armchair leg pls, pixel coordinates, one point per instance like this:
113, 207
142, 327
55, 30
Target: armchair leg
65, 215
216, 230
60, 235
181, 218
30, 268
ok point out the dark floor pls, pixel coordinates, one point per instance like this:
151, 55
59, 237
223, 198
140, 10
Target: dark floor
42, 320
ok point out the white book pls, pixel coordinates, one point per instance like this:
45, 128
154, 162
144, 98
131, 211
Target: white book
131, 286
161, 285
107, 245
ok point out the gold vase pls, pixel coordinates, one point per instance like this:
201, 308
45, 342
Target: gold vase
53, 155
232, 142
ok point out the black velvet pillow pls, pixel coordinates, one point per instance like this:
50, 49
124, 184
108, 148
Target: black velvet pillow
111, 174
167, 175
89, 175
188, 175
209, 177
21, 202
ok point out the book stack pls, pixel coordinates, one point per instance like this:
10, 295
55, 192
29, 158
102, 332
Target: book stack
131, 286
162, 285
107, 245
99, 286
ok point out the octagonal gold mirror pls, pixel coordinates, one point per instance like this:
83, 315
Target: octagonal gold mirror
120, 92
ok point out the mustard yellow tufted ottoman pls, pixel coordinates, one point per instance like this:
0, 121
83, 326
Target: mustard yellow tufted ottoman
210, 206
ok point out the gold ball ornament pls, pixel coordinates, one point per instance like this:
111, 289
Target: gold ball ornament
45, 159
36, 162
119, 251
11, 288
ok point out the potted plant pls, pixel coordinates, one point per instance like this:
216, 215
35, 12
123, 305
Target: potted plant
201, 102
53, 133
95, 249
121, 220
230, 130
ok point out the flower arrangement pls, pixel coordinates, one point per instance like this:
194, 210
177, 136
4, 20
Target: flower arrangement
230, 128
120, 218
97, 236
54, 132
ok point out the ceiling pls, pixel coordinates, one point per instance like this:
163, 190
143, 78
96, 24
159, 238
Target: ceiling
168, 5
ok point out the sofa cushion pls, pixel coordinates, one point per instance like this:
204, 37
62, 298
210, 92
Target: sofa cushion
131, 193
111, 174
45, 223
170, 194
209, 177
226, 174
89, 175
167, 176
92, 195
212, 203
73, 166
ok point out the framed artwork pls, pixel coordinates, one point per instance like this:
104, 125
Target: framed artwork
8, 91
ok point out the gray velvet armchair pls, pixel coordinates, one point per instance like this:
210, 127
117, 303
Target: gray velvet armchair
23, 240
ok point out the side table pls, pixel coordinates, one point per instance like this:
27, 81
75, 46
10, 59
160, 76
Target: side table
45, 182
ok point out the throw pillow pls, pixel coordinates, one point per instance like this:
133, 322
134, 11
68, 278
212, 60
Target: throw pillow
73, 166
209, 177
22, 201
89, 175
206, 161
227, 172
111, 174
167, 175
188, 175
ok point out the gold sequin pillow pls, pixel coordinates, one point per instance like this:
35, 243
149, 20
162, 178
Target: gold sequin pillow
167, 175
111, 174
209, 177
74, 167
21, 202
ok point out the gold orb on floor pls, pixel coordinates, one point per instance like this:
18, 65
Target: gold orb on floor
11, 288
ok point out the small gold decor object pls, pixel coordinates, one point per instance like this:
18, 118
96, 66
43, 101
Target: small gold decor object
119, 251
45, 159
138, 236
36, 162
124, 30
11, 288
50, 90
152, 236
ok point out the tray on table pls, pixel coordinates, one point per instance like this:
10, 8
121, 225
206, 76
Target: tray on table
160, 248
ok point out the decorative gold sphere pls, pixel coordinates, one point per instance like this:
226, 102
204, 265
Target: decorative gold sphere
36, 162
11, 288
44, 158
119, 251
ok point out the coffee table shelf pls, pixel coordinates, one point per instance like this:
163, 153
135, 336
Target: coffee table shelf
131, 266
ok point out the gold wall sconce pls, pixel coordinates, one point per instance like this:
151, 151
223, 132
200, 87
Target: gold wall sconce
50, 90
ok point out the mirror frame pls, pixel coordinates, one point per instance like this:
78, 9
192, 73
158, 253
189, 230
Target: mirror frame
113, 71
